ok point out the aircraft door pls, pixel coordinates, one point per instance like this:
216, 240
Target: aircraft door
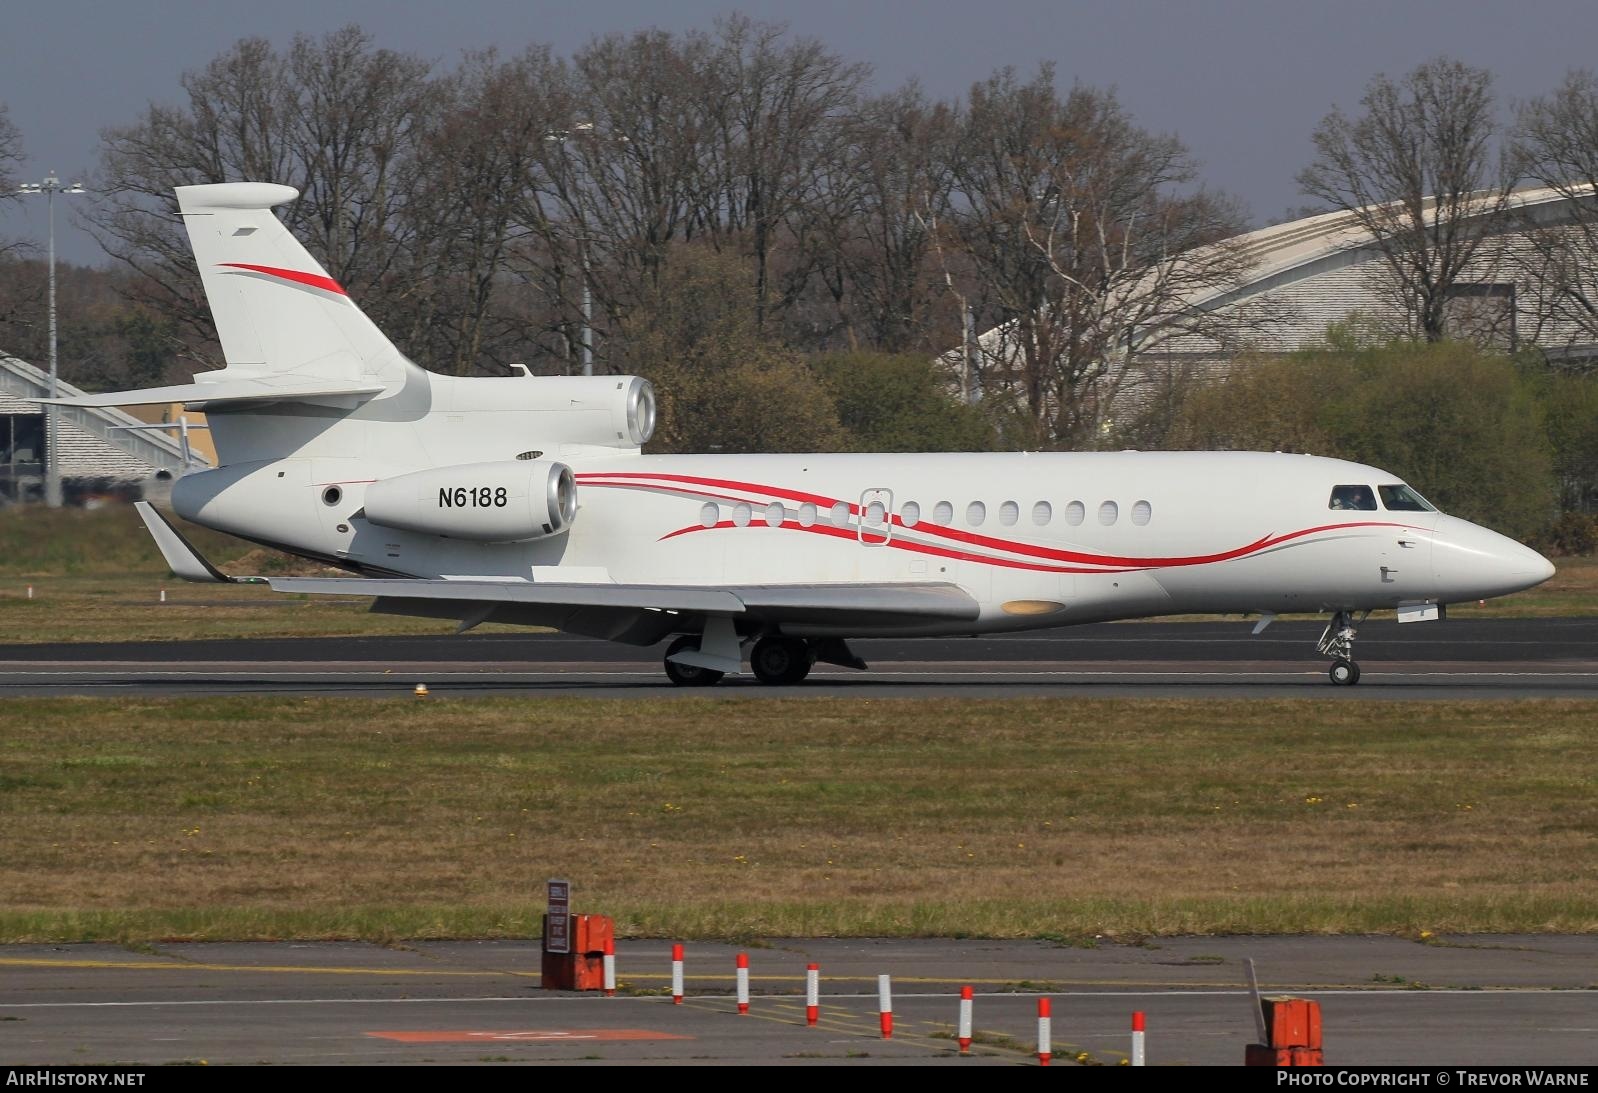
1405, 565
876, 517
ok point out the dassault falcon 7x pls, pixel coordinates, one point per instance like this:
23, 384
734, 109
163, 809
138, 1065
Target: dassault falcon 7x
528, 500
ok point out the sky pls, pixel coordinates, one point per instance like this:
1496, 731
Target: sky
1242, 82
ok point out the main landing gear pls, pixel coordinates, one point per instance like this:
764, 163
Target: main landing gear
781, 661
688, 675
1338, 642
776, 660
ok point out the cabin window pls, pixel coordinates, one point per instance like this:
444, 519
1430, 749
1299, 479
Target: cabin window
710, 514
1360, 498
1009, 513
807, 514
1401, 498
1075, 513
1042, 513
1141, 511
875, 514
775, 514
943, 513
840, 514
975, 513
1109, 512
910, 514
741, 514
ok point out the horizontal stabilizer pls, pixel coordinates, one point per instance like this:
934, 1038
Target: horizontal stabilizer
271, 388
180, 556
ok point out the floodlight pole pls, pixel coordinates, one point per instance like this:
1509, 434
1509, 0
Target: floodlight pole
52, 413
585, 342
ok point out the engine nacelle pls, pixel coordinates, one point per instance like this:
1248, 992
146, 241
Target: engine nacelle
548, 412
503, 502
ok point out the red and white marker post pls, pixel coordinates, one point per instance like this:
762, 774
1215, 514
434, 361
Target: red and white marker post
812, 993
1137, 1038
885, 1005
965, 1021
1045, 1032
676, 974
610, 967
743, 982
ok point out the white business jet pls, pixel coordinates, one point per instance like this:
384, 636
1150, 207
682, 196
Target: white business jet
527, 500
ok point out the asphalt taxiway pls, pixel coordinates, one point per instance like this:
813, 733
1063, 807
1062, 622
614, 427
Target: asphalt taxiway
1385, 1001
1492, 658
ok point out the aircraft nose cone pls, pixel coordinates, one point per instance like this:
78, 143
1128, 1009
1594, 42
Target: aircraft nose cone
1538, 569
1474, 563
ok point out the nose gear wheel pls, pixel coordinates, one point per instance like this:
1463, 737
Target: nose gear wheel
1337, 642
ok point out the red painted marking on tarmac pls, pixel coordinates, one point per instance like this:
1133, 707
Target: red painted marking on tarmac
549, 1035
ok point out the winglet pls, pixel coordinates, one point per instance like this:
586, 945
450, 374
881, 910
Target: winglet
180, 557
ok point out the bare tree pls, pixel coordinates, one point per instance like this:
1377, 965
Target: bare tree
1556, 144
10, 153
477, 161
355, 112
10, 159
776, 129
1417, 170
618, 175
731, 139
875, 216
1075, 221
334, 117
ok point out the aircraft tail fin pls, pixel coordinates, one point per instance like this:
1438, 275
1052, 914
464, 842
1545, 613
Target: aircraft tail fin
277, 311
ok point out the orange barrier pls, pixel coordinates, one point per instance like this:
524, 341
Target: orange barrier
582, 969
1293, 1028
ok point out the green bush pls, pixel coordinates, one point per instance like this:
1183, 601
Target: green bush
1573, 533
1463, 426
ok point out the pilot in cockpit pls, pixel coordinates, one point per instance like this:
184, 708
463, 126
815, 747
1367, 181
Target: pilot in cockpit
1359, 498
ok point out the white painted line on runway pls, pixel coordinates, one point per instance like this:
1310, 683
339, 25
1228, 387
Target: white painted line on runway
1078, 992
941, 673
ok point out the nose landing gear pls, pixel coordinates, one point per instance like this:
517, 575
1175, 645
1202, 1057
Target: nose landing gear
1337, 641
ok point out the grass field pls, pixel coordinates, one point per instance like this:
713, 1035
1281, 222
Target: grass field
96, 576
233, 818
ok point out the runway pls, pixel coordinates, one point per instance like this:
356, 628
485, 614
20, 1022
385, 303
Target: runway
1497, 658
1385, 1001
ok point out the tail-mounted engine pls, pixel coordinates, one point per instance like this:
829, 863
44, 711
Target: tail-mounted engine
504, 502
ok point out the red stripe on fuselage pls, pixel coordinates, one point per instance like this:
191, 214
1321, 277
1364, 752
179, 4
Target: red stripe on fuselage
310, 280
640, 480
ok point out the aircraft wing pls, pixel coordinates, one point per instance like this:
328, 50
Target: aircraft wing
811, 602
639, 614
647, 597
642, 614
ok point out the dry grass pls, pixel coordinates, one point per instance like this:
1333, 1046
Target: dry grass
96, 576
376, 818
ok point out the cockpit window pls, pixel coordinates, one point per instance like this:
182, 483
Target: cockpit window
1401, 498
1352, 497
